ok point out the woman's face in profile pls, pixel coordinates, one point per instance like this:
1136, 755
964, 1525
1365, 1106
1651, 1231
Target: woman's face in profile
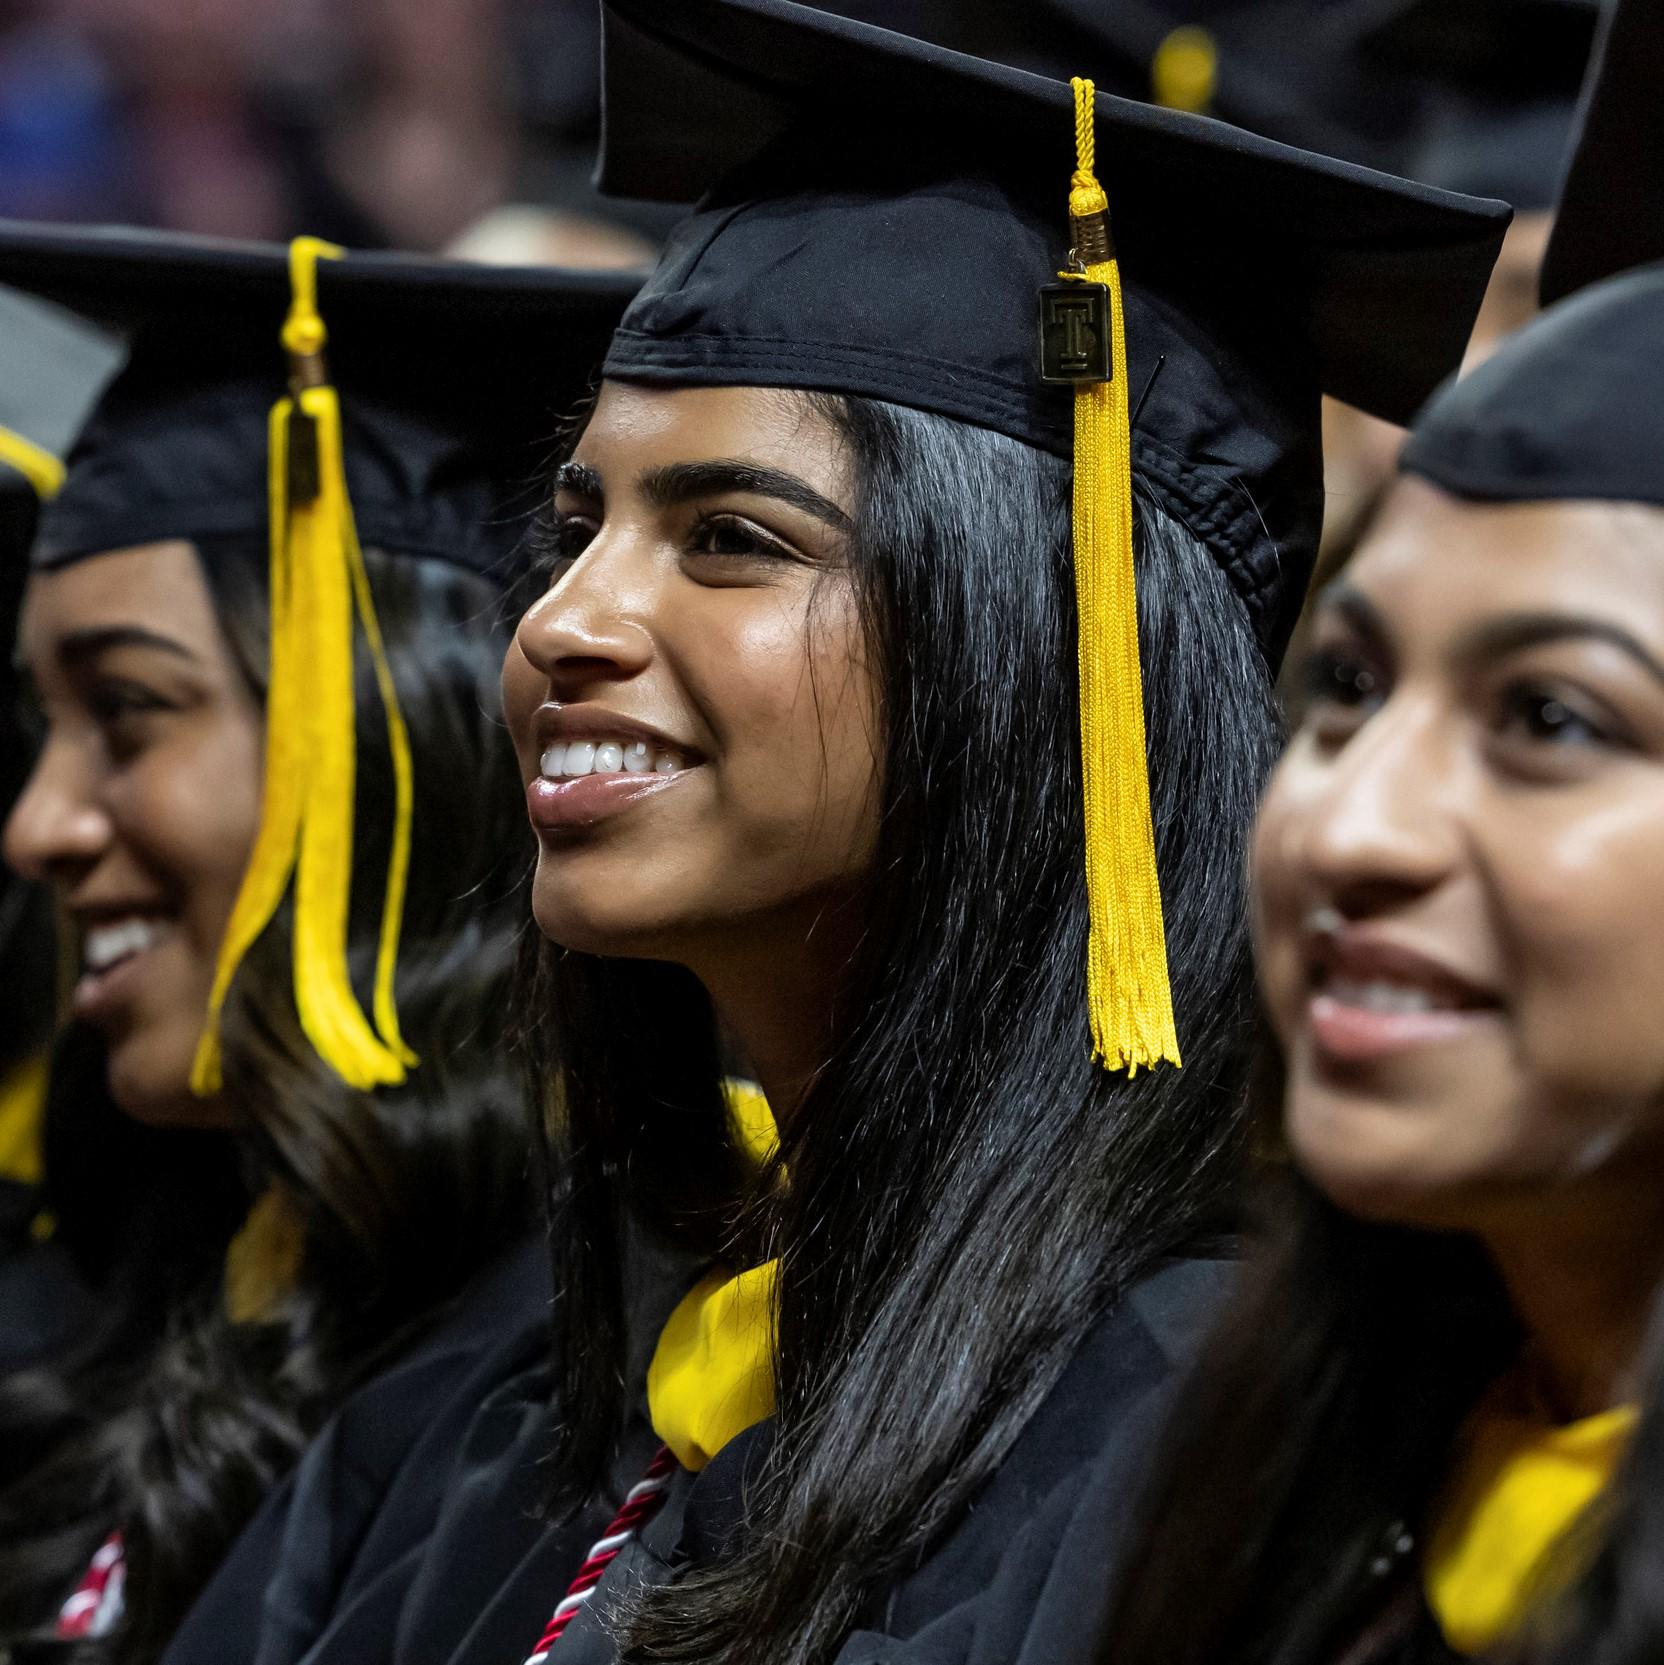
143, 805
691, 700
1459, 868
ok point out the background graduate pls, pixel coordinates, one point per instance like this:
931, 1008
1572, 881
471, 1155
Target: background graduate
52, 367
1417, 1436
282, 839
802, 742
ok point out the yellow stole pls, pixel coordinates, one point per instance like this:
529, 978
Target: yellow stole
712, 1373
22, 1100
1499, 1544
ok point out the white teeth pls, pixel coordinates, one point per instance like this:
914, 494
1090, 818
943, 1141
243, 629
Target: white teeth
605, 757
1377, 995
108, 944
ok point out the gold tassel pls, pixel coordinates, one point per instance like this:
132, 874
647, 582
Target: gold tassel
1128, 994
37, 465
318, 580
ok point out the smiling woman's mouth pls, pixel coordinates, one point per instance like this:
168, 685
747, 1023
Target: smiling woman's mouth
110, 952
590, 790
577, 758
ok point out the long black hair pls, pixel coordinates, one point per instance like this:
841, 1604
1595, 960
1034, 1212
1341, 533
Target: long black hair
1317, 1426
1320, 1423
170, 1423
968, 1192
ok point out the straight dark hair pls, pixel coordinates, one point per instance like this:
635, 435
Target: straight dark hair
1321, 1421
968, 1191
172, 1420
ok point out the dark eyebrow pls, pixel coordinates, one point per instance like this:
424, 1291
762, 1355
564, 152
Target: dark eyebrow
579, 479
78, 646
1518, 631
683, 482
1357, 609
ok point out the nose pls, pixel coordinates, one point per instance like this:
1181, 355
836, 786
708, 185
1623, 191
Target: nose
595, 625
57, 828
1382, 825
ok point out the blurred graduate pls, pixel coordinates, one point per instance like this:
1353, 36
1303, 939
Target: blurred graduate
271, 796
1433, 1428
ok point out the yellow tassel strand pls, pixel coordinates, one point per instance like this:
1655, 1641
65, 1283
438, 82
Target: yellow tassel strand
37, 465
318, 580
1128, 994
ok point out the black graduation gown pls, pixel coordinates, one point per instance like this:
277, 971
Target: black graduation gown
346, 1512
454, 1434
1093, 1431
43, 1300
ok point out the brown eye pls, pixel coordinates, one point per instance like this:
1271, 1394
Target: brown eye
733, 538
1545, 717
1342, 677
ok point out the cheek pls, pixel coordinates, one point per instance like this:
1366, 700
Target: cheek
1580, 894
523, 691
1277, 895
791, 699
190, 810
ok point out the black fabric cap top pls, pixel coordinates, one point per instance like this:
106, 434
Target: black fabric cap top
1612, 206
881, 215
1498, 82
454, 380
1570, 407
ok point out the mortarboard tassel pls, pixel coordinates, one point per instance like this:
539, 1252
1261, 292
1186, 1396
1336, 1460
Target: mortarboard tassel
306, 828
1128, 995
37, 465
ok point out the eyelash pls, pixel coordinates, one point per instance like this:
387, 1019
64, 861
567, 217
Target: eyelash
1533, 711
1343, 689
553, 541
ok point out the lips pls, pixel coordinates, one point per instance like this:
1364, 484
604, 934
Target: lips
1373, 996
594, 763
116, 946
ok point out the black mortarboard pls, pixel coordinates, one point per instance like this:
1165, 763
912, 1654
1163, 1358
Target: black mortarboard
908, 203
452, 376
881, 218
1497, 82
1611, 215
1572, 407
316, 402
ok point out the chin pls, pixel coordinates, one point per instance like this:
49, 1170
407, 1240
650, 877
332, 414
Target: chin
150, 1080
609, 931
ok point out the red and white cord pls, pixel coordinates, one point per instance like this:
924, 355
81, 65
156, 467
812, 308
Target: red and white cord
97, 1602
641, 1503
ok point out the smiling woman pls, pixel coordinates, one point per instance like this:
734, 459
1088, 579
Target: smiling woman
856, 753
143, 804
1435, 1427
273, 798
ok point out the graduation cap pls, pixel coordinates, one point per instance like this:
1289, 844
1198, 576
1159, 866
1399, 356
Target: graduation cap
1497, 83
316, 402
52, 367
1572, 408
890, 219
1611, 214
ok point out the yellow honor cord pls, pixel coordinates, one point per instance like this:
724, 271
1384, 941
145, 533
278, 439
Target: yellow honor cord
318, 582
35, 463
1129, 997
